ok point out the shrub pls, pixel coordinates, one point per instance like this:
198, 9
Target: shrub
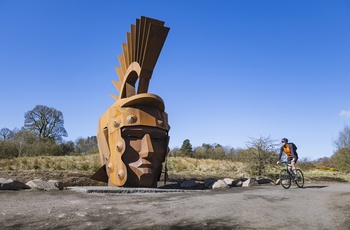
8, 149
341, 159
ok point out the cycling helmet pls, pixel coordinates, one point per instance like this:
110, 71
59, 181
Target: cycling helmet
284, 140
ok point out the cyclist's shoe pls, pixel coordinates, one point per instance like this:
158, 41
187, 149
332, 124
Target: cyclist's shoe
296, 177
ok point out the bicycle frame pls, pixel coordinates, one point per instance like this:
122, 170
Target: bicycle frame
287, 176
289, 168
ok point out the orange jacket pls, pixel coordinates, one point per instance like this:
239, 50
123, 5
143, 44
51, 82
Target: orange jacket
289, 150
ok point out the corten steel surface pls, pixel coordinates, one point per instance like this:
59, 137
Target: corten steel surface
133, 133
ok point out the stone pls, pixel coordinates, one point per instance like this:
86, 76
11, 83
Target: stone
58, 184
228, 181
278, 181
265, 181
249, 182
239, 183
11, 184
45, 185
219, 184
188, 184
208, 183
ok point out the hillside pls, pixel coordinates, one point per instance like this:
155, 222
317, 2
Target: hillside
76, 170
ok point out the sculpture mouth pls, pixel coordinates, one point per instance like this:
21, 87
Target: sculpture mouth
146, 164
141, 170
150, 166
142, 163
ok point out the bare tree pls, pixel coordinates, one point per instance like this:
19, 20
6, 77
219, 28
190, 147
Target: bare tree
341, 158
6, 134
46, 122
343, 140
67, 147
22, 139
175, 152
86, 145
261, 151
218, 152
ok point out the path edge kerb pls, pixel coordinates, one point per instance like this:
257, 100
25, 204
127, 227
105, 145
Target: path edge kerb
102, 189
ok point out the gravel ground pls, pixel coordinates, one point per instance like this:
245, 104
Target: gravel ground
316, 206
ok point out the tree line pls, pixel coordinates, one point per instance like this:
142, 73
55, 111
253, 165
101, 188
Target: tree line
42, 135
260, 153
44, 128
263, 151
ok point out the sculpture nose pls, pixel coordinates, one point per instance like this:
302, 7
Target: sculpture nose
146, 147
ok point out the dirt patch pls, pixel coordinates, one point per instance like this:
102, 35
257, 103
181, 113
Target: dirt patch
67, 178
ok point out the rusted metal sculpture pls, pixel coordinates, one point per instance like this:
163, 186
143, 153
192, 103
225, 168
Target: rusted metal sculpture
133, 133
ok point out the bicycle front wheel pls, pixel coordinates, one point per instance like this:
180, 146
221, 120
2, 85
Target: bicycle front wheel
300, 180
285, 179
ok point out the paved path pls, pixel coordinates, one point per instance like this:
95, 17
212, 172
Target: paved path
322, 206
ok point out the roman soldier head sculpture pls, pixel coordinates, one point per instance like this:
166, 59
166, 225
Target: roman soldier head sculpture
133, 133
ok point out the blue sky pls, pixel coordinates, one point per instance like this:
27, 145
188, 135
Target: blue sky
229, 70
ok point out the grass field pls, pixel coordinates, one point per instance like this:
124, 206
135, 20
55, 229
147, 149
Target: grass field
179, 167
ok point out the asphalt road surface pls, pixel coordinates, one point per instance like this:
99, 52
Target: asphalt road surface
316, 206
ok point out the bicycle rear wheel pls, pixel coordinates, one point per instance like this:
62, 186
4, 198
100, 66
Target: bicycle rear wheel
285, 178
300, 180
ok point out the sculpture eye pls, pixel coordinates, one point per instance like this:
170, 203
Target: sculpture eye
157, 139
132, 137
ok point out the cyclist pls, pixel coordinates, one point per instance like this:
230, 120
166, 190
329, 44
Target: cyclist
292, 155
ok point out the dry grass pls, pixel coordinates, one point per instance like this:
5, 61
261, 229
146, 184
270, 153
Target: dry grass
88, 163
316, 174
190, 167
323, 175
177, 167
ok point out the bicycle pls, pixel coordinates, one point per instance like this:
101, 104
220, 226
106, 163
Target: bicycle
287, 176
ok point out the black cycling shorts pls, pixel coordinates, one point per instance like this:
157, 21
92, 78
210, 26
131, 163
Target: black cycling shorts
289, 160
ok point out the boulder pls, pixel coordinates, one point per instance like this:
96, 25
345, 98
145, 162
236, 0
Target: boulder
249, 182
219, 184
45, 185
265, 181
278, 181
229, 181
188, 184
208, 183
237, 183
11, 184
